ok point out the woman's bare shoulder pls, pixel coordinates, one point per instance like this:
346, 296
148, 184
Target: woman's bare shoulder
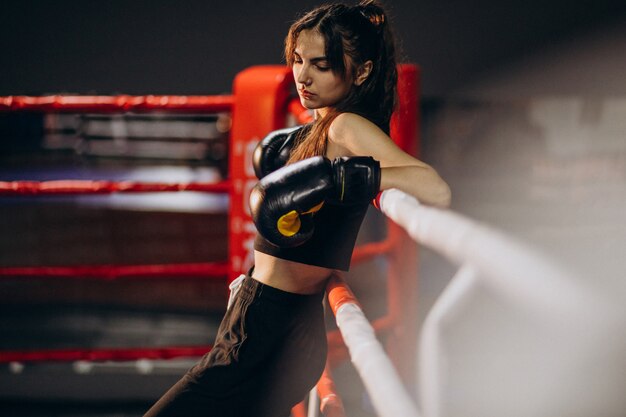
350, 120
348, 126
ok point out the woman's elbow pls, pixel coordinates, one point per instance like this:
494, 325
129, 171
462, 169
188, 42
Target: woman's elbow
443, 196
439, 194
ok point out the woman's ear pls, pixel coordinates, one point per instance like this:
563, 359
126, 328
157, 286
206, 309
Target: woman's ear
363, 72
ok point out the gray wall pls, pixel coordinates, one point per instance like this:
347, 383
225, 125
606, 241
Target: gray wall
197, 47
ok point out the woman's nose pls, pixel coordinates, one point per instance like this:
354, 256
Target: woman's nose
303, 77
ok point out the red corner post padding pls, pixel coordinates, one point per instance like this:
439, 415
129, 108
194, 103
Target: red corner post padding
405, 119
261, 98
403, 268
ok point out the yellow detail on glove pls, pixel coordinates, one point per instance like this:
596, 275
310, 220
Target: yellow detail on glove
289, 224
315, 209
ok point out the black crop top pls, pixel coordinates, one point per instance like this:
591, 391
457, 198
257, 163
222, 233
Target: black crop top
332, 243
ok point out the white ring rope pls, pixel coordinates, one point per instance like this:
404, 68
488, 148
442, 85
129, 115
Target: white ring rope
506, 266
430, 346
511, 269
387, 393
492, 260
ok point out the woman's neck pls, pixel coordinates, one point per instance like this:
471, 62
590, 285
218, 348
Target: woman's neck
320, 113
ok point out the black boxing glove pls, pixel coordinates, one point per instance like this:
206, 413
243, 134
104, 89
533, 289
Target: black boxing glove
356, 179
283, 203
274, 150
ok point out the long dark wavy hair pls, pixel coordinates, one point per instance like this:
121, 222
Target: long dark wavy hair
360, 33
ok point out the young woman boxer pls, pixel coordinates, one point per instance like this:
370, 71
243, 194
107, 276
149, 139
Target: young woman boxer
316, 184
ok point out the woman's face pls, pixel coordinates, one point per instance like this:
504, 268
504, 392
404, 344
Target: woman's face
318, 86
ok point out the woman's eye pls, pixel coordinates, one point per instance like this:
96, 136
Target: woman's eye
322, 68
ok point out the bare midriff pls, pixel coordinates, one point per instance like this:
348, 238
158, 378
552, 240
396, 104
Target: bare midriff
289, 276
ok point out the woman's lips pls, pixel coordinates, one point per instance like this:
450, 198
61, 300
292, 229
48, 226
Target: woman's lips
306, 94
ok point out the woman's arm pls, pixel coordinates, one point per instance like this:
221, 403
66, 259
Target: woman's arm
355, 135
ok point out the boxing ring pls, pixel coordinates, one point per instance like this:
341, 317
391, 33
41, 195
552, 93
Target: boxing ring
263, 100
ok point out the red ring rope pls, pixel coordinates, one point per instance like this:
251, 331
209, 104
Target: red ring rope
330, 403
121, 103
112, 354
110, 272
103, 187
